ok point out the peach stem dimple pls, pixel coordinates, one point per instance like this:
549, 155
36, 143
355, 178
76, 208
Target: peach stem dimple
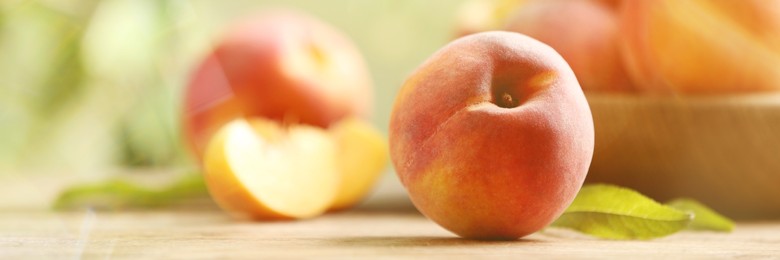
507, 101
317, 55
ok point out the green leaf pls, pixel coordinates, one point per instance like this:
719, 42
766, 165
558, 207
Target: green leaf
706, 218
612, 212
115, 194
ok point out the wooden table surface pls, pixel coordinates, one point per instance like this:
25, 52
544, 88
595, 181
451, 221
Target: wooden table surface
209, 233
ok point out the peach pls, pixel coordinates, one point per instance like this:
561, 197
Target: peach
362, 157
492, 136
304, 88
585, 33
260, 168
280, 65
702, 47
256, 168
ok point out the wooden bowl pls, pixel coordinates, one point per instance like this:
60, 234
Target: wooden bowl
722, 151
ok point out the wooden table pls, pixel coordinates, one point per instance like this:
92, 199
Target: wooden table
209, 233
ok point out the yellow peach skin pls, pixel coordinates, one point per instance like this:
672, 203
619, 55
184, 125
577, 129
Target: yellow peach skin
492, 136
702, 47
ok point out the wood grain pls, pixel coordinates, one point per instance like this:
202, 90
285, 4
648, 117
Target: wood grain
210, 234
721, 150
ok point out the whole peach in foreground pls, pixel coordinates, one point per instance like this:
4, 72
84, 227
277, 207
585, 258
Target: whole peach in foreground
492, 136
280, 65
584, 32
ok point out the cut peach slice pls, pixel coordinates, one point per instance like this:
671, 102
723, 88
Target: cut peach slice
362, 157
264, 170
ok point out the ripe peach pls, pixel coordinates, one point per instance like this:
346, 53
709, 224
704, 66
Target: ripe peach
702, 46
280, 65
492, 136
585, 33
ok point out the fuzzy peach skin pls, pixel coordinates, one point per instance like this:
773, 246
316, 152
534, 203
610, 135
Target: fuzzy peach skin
492, 136
584, 32
702, 47
280, 65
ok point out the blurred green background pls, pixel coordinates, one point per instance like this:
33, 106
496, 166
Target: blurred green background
90, 87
